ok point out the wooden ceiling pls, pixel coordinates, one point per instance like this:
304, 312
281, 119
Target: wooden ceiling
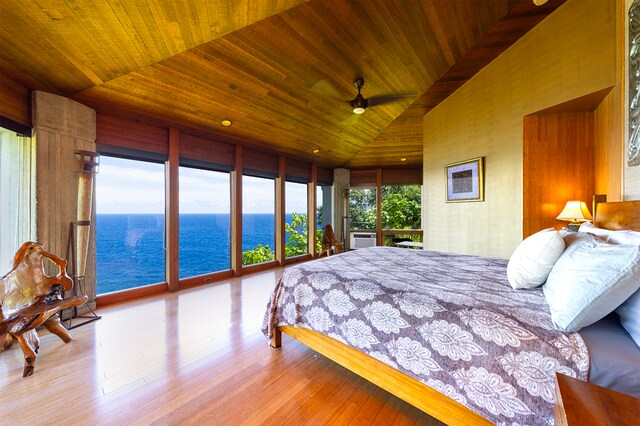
281, 70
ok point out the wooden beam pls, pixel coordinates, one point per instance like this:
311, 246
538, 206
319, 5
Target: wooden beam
236, 213
311, 212
280, 207
379, 239
172, 210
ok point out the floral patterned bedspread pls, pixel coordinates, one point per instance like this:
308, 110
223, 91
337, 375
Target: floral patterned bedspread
450, 321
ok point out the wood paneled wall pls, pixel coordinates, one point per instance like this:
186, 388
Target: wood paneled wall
121, 133
558, 165
15, 101
608, 147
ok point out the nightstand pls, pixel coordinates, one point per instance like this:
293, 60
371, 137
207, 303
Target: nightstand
582, 403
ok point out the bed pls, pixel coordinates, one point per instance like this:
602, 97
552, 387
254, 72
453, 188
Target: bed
445, 332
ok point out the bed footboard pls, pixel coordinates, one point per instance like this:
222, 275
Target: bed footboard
393, 381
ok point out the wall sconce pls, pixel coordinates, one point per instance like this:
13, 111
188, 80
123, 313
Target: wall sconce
575, 212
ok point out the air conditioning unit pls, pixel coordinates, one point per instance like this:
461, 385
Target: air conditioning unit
363, 239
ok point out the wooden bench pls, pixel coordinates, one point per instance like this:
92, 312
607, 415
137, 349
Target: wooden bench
30, 298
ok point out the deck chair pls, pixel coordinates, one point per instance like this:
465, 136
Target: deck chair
329, 241
30, 298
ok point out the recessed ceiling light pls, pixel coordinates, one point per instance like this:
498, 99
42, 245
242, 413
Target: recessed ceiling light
315, 151
403, 159
226, 123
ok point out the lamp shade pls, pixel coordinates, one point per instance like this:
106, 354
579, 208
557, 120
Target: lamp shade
575, 211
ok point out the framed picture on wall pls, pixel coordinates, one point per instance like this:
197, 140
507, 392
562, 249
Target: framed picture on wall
465, 180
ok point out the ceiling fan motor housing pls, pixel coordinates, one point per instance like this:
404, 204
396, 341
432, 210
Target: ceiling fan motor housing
359, 103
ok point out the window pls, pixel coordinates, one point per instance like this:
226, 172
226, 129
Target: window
204, 222
296, 219
258, 220
17, 195
362, 209
401, 209
130, 240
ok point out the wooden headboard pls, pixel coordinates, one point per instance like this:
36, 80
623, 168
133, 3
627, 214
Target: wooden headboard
618, 215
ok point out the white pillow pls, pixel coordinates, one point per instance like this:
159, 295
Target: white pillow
590, 280
533, 259
612, 237
629, 313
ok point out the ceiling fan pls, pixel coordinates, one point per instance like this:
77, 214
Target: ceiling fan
360, 103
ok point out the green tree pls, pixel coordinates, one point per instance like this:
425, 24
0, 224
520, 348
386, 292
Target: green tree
401, 207
296, 232
258, 255
362, 208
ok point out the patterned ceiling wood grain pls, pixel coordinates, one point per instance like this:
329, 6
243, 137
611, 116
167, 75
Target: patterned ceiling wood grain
281, 70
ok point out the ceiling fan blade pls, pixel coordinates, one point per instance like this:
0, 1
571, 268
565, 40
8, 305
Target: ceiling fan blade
381, 100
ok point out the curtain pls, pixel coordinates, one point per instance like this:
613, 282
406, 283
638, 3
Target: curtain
17, 195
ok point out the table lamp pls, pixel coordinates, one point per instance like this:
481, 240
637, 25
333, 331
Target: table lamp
575, 212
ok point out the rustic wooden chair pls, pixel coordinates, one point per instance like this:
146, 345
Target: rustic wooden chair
329, 241
30, 298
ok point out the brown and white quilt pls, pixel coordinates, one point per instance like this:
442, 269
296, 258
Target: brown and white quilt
450, 321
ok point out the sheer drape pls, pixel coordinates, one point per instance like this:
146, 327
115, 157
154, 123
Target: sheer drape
17, 195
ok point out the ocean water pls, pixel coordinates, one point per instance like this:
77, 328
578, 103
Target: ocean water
130, 247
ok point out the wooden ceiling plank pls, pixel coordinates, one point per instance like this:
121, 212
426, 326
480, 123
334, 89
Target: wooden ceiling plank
400, 79
249, 77
164, 91
13, 22
140, 36
157, 14
181, 24
62, 79
105, 42
283, 74
438, 30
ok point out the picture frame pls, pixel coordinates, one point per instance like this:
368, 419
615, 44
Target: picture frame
465, 181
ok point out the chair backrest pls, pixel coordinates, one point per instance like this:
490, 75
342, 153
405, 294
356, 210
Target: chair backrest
27, 281
328, 237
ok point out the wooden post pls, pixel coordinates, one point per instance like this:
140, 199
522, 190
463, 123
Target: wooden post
379, 238
172, 210
276, 340
236, 213
311, 212
280, 207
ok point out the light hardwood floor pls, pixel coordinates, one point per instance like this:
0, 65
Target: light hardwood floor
192, 357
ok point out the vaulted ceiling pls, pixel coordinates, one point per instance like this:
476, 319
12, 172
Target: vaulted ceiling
281, 70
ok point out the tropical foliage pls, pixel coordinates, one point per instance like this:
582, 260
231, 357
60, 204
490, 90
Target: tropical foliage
296, 232
401, 207
362, 208
258, 255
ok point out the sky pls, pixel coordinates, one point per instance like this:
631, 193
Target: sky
130, 186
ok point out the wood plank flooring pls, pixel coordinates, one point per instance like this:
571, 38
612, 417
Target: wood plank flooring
192, 357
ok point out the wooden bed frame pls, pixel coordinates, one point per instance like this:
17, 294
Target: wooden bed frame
614, 215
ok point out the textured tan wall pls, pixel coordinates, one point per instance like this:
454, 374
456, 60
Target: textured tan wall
570, 54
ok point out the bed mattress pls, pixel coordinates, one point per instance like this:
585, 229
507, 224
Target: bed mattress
450, 321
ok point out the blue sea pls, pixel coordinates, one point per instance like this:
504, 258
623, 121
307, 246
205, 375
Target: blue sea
130, 247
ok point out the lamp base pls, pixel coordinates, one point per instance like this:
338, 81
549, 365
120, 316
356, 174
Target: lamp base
574, 226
